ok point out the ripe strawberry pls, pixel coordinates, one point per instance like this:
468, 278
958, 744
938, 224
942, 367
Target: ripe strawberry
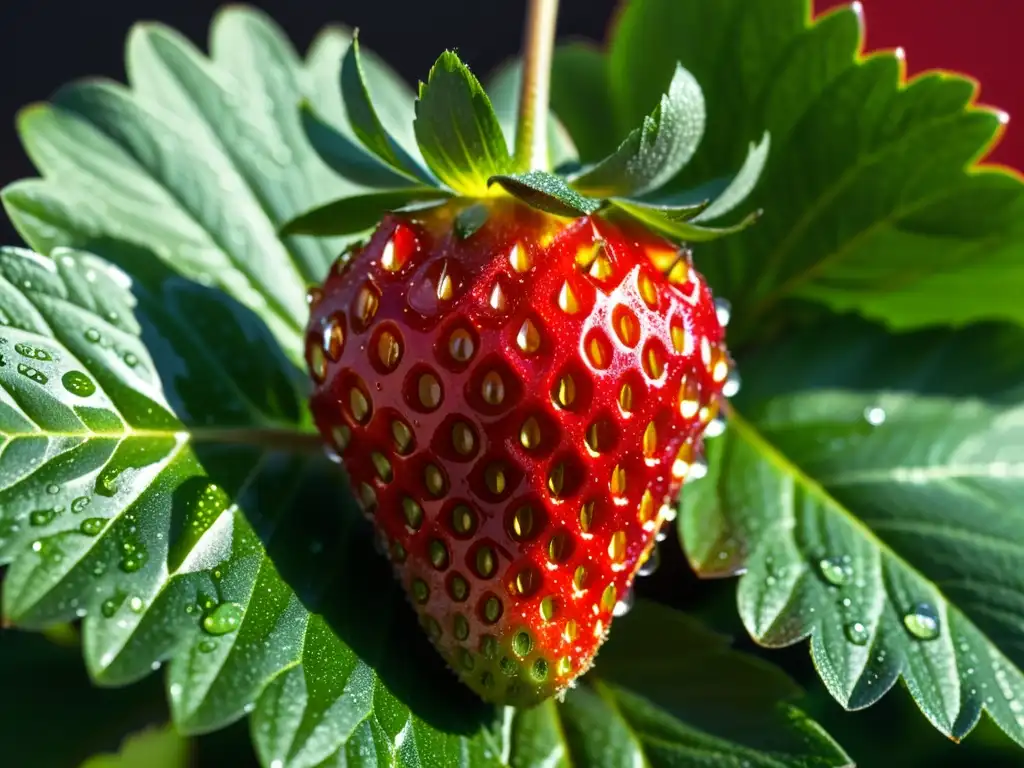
515, 410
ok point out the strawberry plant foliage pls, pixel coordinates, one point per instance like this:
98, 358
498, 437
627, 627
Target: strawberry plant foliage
872, 207
896, 546
158, 477
157, 473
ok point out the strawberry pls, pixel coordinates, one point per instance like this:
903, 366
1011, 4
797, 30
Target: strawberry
516, 408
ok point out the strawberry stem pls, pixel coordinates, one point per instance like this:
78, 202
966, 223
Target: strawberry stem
538, 48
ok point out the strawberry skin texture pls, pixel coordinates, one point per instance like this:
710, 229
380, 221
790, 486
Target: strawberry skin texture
515, 411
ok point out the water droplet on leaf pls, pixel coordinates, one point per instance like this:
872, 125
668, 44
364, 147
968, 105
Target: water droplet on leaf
77, 383
224, 619
92, 526
33, 353
857, 633
874, 416
32, 374
41, 517
835, 570
922, 622
111, 605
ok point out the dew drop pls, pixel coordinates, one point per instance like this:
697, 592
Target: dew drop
835, 571
92, 526
732, 384
111, 605
650, 565
92, 335
875, 416
715, 428
224, 619
723, 311
857, 633
32, 374
134, 556
624, 605
207, 646
32, 353
41, 517
77, 383
922, 622
106, 483
78, 505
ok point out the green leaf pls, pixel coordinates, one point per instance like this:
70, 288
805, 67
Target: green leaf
504, 92
742, 183
726, 705
171, 533
547, 192
393, 98
457, 130
654, 153
367, 125
673, 221
171, 539
359, 213
871, 486
870, 199
345, 156
153, 748
469, 220
200, 161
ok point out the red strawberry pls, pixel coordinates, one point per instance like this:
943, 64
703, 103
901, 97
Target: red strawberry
515, 410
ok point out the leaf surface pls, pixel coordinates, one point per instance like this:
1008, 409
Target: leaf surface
159, 475
656, 151
874, 492
367, 125
871, 202
200, 162
359, 212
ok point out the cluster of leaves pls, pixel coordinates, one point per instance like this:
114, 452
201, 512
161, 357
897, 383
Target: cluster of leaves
458, 146
159, 475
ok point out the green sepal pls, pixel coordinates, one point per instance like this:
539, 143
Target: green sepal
458, 133
469, 220
366, 123
655, 152
350, 215
345, 156
673, 221
743, 183
547, 192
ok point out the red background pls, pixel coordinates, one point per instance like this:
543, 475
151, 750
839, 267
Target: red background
980, 38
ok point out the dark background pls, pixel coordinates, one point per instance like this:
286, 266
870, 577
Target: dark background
44, 43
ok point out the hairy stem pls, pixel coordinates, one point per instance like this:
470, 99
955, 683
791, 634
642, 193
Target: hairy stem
538, 49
